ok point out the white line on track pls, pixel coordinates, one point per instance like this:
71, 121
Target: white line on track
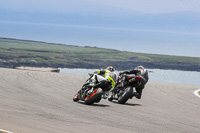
5, 131
197, 93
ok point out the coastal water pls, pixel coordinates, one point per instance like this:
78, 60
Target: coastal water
155, 75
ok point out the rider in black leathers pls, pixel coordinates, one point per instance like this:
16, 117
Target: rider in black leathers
143, 73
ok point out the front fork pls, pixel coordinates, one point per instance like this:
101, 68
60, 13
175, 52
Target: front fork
116, 92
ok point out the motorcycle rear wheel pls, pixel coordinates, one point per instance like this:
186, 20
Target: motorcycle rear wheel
125, 95
95, 97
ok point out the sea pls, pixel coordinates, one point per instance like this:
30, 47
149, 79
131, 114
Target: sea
155, 75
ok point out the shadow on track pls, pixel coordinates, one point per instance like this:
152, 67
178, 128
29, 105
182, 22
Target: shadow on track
97, 105
129, 104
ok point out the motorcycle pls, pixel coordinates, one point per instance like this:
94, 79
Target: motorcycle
90, 95
124, 88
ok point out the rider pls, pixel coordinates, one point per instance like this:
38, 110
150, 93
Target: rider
105, 77
141, 72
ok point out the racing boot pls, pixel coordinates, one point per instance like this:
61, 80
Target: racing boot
90, 91
94, 87
104, 96
135, 94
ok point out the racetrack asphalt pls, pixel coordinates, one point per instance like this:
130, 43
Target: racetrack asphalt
41, 102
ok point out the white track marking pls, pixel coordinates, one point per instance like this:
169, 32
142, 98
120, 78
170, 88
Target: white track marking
197, 93
5, 131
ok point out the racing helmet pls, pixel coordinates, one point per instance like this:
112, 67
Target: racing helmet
110, 68
140, 67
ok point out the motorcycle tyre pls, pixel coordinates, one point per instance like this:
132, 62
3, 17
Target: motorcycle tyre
126, 95
95, 98
76, 99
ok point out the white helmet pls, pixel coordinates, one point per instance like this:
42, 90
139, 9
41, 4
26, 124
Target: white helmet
110, 68
140, 67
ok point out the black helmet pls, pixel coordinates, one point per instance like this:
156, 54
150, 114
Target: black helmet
110, 68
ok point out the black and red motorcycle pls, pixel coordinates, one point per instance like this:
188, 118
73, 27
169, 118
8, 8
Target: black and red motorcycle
123, 89
90, 95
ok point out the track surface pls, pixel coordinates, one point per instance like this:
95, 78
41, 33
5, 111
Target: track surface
41, 102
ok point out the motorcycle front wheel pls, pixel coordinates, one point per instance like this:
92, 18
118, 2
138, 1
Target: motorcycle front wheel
76, 97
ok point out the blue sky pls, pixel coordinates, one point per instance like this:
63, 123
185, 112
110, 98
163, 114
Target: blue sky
149, 26
62, 6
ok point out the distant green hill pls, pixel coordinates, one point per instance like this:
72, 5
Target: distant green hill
15, 53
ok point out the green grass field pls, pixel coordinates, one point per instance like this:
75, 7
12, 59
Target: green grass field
25, 51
